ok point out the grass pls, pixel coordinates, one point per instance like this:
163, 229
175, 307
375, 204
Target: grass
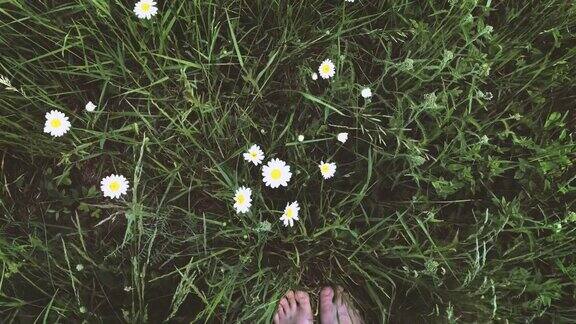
454, 198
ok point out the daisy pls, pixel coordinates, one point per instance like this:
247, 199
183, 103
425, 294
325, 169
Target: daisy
342, 137
243, 200
300, 138
366, 93
114, 186
349, 0
290, 214
327, 169
276, 173
254, 155
145, 9
327, 69
314, 76
57, 123
90, 106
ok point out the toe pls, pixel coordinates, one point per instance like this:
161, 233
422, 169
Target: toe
284, 305
355, 316
280, 312
302, 297
352, 311
343, 312
327, 309
326, 295
276, 318
342, 306
291, 300
303, 301
339, 296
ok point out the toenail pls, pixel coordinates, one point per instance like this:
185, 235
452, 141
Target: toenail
302, 295
326, 291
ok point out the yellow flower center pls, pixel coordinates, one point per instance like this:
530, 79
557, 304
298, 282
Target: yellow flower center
145, 7
240, 199
55, 123
275, 174
253, 155
114, 186
289, 213
325, 68
324, 168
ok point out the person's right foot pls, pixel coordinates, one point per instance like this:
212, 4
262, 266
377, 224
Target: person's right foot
336, 308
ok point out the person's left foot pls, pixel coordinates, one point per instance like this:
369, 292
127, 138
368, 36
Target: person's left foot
294, 308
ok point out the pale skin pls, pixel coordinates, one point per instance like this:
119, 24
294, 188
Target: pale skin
335, 308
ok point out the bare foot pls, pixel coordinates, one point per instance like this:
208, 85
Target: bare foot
294, 308
337, 308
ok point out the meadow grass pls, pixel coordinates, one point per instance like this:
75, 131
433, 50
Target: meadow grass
454, 198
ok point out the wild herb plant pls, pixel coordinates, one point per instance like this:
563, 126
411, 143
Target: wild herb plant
453, 197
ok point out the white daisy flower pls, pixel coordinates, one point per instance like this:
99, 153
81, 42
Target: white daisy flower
366, 93
327, 69
243, 200
276, 173
290, 214
90, 106
327, 169
57, 123
314, 76
300, 138
342, 137
145, 9
254, 155
114, 186
349, 0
